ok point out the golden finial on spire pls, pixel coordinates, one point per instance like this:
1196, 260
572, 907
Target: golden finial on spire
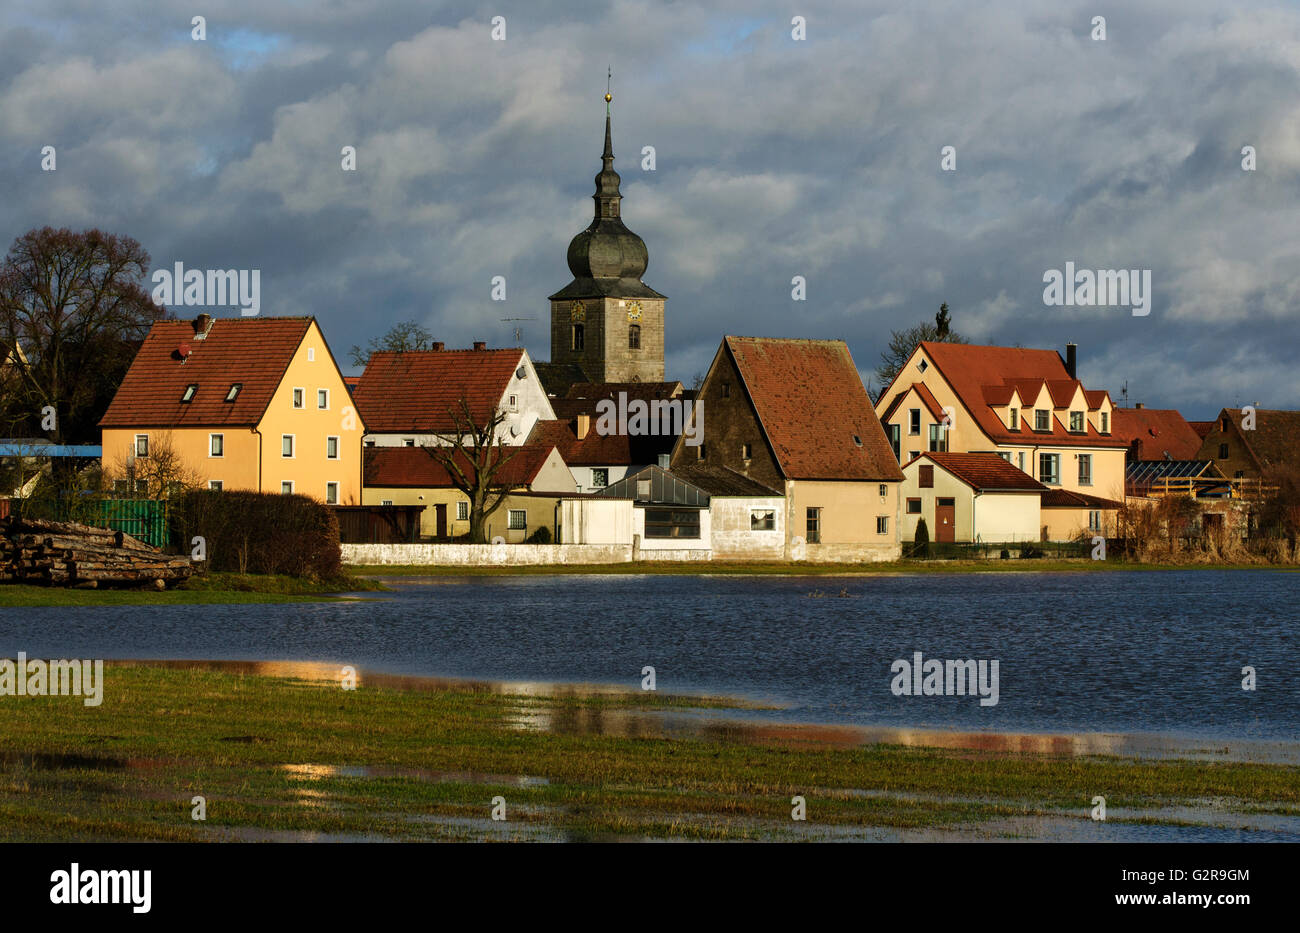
609, 76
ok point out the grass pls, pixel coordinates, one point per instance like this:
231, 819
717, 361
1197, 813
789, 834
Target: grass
1076, 565
277, 758
202, 589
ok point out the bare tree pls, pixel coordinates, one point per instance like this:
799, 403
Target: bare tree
903, 342
162, 474
474, 463
402, 337
73, 311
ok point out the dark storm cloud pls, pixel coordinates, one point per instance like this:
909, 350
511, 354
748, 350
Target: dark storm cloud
776, 158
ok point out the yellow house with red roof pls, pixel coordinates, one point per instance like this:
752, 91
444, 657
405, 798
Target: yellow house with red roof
1026, 406
249, 403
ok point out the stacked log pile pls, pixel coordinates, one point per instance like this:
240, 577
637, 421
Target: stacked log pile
70, 554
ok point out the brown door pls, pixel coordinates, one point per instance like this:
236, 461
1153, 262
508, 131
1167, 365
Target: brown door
945, 520
441, 512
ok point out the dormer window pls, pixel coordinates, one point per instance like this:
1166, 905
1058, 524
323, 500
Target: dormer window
1041, 419
1105, 422
1015, 419
234, 391
1076, 422
188, 395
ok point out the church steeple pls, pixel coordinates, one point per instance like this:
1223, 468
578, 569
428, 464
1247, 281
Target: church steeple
607, 196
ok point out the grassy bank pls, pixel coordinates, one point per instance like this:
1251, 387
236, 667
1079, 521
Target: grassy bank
1079, 565
207, 588
286, 759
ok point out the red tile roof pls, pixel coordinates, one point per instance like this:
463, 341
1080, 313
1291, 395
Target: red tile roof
253, 351
601, 450
415, 467
1066, 499
927, 399
1157, 431
972, 369
985, 472
1202, 427
811, 403
416, 391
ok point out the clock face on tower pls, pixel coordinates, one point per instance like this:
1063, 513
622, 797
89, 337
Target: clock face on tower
578, 311
634, 311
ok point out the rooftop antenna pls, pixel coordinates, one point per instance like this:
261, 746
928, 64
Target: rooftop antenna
1123, 395
519, 331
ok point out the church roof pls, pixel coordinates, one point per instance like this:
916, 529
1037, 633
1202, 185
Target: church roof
607, 259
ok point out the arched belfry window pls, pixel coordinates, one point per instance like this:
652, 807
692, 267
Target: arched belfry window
634, 337
578, 337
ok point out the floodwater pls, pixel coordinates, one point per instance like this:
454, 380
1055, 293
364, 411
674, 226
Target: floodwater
1116, 654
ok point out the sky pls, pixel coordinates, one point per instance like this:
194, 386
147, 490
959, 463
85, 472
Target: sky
775, 157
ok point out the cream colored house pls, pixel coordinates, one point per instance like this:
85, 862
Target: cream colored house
249, 403
967, 498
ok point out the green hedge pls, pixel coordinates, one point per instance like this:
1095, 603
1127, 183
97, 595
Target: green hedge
257, 532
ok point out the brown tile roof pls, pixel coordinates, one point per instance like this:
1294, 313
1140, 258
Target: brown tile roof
601, 450
253, 351
970, 369
722, 481
1065, 499
1275, 441
985, 472
416, 391
1202, 427
415, 467
810, 403
1156, 431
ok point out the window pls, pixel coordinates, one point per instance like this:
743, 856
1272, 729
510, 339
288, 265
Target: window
311, 354
1223, 451
331, 448
121, 486
1105, 422
1041, 422
938, 438
914, 421
672, 523
514, 402
1049, 469
1005, 455
142, 487
762, 520
925, 476
216, 445
643, 489
699, 452
298, 398
462, 511
1076, 422
214, 484
1085, 469
884, 490
1094, 520
1015, 419
370, 443
913, 506
286, 487
322, 399
599, 477
814, 526
188, 395
913, 454
1020, 461
746, 452
923, 365
664, 460
896, 441
234, 391
331, 493
578, 337
385, 501
882, 524
1223, 424
142, 445
286, 445
634, 336
726, 390
408, 442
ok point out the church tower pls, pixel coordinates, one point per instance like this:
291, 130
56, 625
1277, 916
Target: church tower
607, 320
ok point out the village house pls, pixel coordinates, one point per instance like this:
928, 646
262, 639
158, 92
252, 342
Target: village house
534, 474
1027, 407
1155, 434
249, 403
1250, 444
414, 398
793, 416
970, 498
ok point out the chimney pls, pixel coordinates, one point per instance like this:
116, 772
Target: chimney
437, 345
1138, 405
584, 425
1072, 360
480, 345
202, 324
